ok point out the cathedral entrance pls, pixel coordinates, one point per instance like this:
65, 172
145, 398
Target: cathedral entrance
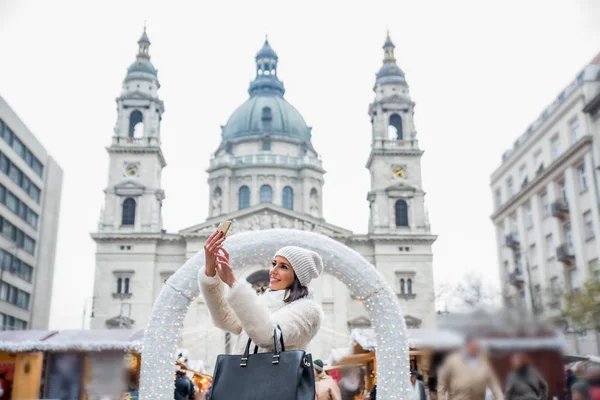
251, 248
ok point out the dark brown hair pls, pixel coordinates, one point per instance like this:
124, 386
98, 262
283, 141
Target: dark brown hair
296, 291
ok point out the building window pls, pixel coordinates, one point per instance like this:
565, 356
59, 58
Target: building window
573, 281
522, 174
266, 145
538, 163
583, 185
14, 296
287, 198
555, 147
554, 288
588, 224
550, 250
568, 237
594, 268
562, 191
243, 197
136, 124
532, 254
10, 138
409, 288
395, 127
401, 209
529, 212
119, 285
229, 148
126, 285
266, 114
512, 226
402, 286
266, 194
18, 177
545, 205
575, 130
498, 196
128, 217
510, 188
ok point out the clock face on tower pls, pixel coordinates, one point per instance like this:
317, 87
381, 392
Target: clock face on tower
399, 172
132, 169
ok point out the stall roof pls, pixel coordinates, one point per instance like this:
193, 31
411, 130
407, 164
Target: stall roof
445, 339
417, 338
73, 340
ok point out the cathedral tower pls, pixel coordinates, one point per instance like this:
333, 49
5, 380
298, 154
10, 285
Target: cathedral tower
396, 198
134, 196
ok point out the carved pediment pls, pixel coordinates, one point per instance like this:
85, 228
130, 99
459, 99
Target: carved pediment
267, 216
129, 188
401, 189
359, 322
412, 322
119, 321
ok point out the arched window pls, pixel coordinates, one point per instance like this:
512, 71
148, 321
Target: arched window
136, 124
287, 198
409, 286
402, 286
128, 211
229, 149
119, 285
266, 114
126, 288
244, 197
266, 144
266, 194
395, 127
401, 213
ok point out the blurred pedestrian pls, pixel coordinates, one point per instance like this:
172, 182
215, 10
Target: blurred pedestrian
580, 391
326, 387
182, 386
571, 379
466, 374
592, 378
417, 387
524, 381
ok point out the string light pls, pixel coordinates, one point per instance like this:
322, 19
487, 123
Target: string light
251, 248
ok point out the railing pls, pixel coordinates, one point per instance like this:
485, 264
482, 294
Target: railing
560, 209
396, 144
516, 278
564, 254
143, 141
265, 159
511, 241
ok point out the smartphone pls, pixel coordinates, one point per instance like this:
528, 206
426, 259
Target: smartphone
224, 227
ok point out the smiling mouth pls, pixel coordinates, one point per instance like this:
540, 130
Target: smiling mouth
273, 280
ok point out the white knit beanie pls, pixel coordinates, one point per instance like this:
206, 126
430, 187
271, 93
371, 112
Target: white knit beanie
306, 263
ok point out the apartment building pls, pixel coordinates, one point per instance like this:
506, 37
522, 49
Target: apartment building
546, 197
30, 190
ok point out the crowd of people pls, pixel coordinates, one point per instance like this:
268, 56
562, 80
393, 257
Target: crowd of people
468, 375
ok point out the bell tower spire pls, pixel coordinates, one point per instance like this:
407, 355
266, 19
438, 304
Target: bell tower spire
133, 196
396, 198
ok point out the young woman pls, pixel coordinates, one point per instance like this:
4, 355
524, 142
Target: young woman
287, 302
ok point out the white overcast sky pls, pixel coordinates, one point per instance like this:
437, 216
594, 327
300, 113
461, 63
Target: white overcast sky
479, 71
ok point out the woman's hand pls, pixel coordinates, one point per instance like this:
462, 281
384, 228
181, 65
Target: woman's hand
210, 252
224, 268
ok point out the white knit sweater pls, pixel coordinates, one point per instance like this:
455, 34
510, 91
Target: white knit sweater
244, 313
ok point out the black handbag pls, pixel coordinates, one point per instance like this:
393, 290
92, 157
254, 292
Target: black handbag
284, 375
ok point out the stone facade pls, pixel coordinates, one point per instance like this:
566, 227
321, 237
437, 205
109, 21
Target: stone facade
265, 174
546, 196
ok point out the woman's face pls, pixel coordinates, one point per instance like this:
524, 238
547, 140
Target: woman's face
281, 276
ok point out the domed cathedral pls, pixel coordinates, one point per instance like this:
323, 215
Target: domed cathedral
264, 174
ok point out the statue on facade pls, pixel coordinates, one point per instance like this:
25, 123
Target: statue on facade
217, 203
314, 203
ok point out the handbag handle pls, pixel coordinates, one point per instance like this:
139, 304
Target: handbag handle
244, 361
280, 341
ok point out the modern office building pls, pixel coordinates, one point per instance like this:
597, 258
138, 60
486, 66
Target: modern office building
30, 191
